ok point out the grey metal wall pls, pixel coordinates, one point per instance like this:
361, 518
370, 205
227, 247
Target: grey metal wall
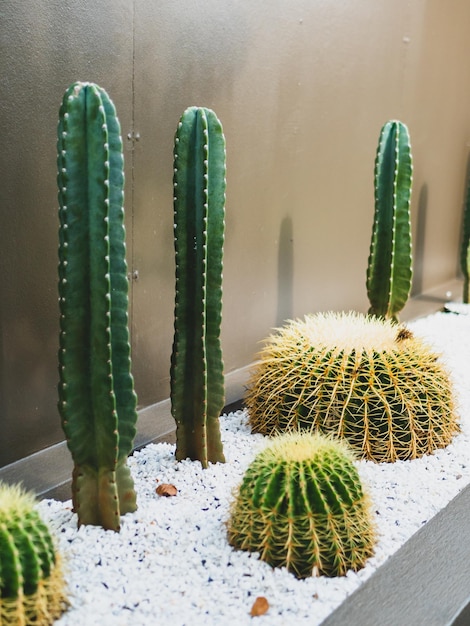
302, 88
44, 46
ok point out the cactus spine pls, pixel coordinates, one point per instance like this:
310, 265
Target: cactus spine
360, 378
32, 588
389, 268
301, 505
97, 402
197, 379
465, 248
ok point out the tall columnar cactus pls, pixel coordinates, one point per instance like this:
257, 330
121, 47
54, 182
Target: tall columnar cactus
97, 402
389, 269
301, 505
465, 248
360, 378
197, 379
32, 587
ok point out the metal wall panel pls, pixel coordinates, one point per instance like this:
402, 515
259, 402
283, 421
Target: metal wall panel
302, 89
44, 46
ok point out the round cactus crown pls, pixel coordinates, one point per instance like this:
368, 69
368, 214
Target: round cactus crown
301, 447
14, 500
345, 332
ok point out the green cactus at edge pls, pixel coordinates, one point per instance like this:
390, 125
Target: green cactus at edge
301, 505
389, 269
360, 378
32, 586
97, 402
465, 248
196, 374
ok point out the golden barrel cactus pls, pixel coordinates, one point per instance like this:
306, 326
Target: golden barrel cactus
364, 379
302, 506
32, 585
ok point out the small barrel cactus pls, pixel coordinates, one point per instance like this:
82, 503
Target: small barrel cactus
361, 378
301, 505
32, 588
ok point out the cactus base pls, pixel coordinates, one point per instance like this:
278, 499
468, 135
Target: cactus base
101, 497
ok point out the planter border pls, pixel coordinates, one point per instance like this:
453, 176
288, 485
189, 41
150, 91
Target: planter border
423, 582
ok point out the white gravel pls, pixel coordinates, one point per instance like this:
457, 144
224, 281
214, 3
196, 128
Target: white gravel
171, 563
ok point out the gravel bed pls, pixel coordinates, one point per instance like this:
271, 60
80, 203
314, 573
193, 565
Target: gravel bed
171, 563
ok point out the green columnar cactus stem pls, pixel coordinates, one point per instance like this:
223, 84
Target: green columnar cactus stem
465, 248
32, 587
389, 268
301, 505
361, 378
97, 402
197, 379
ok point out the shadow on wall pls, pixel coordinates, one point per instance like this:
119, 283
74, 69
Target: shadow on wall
465, 193
285, 272
28, 310
418, 248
